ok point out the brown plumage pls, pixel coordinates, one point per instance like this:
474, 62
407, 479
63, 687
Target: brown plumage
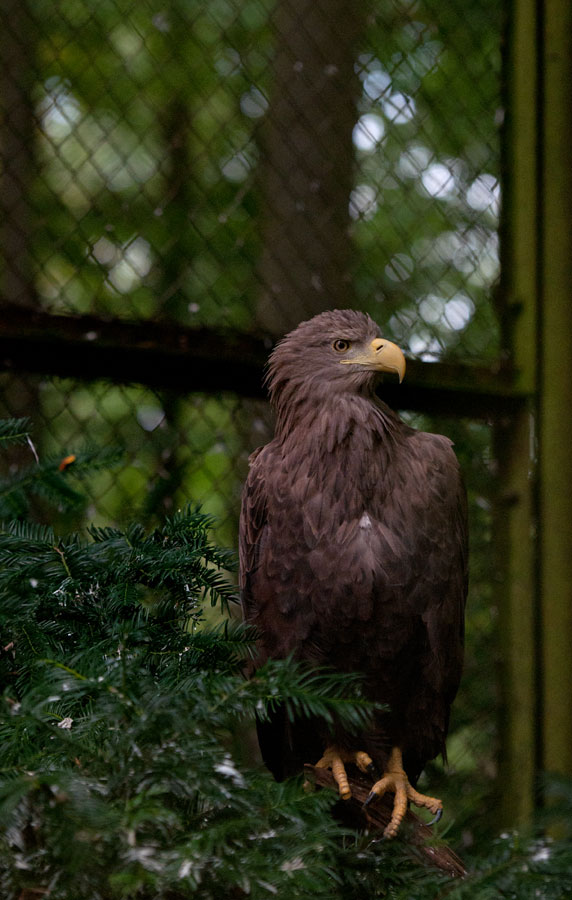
353, 552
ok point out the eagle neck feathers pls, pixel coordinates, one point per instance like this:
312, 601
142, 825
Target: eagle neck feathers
343, 446
333, 421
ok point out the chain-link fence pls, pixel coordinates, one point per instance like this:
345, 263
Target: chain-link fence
245, 165
236, 167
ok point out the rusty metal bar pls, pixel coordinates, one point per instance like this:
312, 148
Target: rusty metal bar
164, 355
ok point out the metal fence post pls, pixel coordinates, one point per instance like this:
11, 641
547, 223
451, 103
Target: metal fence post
515, 539
556, 386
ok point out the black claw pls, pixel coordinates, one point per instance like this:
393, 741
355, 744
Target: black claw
371, 796
373, 770
436, 818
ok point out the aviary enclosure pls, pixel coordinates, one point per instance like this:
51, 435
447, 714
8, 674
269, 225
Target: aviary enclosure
184, 181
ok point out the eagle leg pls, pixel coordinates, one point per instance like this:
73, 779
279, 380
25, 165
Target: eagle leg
334, 758
396, 780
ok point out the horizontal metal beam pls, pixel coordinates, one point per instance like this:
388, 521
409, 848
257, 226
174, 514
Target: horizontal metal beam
163, 355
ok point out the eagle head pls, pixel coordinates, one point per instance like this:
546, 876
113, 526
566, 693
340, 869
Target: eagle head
338, 351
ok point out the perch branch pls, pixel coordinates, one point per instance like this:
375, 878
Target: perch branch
418, 836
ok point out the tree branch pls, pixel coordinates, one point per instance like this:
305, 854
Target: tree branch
419, 838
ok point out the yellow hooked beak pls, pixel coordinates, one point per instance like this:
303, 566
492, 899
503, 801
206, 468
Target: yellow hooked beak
380, 356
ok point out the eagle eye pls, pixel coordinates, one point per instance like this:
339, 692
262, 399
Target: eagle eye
341, 346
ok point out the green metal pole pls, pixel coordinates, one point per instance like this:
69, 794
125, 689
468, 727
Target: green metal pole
556, 387
514, 436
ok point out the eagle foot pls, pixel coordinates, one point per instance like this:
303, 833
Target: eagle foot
335, 758
396, 780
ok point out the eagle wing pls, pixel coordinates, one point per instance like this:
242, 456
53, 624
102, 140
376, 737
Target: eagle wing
439, 558
265, 571
436, 591
252, 532
270, 549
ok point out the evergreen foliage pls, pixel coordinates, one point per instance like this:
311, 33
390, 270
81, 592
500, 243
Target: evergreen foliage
120, 767
47, 479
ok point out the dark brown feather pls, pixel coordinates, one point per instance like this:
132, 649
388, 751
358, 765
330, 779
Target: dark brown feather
353, 548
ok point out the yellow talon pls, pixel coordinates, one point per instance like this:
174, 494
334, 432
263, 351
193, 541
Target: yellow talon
396, 780
334, 758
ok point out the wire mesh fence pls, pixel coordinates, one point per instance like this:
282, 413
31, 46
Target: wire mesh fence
241, 166
245, 165
206, 161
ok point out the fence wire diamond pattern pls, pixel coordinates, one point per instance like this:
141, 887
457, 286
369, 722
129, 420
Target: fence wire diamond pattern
243, 166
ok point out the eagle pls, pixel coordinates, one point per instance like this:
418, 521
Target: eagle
353, 557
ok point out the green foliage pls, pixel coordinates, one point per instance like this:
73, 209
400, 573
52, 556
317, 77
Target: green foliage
51, 480
14, 431
119, 705
121, 720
